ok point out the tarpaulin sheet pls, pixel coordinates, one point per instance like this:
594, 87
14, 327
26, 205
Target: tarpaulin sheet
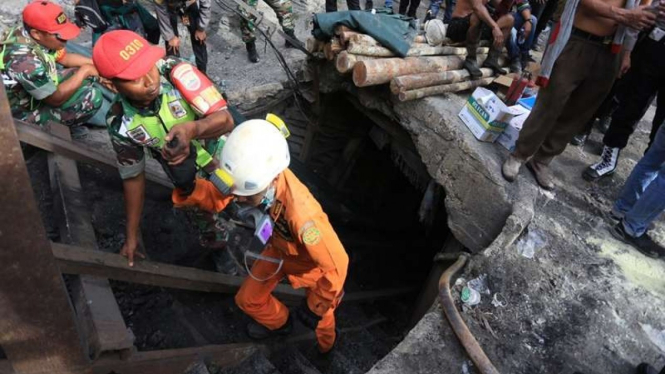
394, 31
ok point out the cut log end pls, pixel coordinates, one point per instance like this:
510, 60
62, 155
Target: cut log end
344, 63
360, 74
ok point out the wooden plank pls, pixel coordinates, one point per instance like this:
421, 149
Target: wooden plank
76, 260
101, 323
39, 332
176, 361
378, 294
40, 138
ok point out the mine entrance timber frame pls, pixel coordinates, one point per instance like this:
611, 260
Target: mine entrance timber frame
46, 328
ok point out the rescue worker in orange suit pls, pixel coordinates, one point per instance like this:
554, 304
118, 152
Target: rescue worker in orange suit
311, 256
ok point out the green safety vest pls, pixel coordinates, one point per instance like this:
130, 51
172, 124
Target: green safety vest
151, 130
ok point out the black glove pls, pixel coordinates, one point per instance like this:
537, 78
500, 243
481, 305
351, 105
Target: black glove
306, 316
183, 175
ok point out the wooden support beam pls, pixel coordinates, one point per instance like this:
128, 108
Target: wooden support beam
378, 294
170, 361
76, 260
395, 130
176, 361
38, 332
41, 138
101, 323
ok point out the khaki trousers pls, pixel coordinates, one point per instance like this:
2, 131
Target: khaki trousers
581, 78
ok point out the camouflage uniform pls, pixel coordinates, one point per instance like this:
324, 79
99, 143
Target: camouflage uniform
213, 228
30, 74
283, 9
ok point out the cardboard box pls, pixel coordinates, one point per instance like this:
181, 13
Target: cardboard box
502, 83
485, 115
510, 134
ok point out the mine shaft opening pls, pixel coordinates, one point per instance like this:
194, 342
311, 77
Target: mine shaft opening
368, 176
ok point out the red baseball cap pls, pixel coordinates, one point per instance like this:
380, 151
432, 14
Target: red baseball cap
124, 54
46, 16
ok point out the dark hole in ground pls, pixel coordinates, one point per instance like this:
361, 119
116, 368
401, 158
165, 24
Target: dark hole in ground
369, 180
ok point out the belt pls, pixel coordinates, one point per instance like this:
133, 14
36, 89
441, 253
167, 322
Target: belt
591, 37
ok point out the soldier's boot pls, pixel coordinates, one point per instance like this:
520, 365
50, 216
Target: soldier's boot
492, 62
292, 34
251, 52
471, 61
257, 331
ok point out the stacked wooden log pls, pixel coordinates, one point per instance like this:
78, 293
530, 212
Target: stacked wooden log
426, 71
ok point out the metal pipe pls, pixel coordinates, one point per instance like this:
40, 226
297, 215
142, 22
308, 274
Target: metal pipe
465, 336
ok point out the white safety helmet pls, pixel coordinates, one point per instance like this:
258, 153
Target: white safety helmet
253, 155
435, 32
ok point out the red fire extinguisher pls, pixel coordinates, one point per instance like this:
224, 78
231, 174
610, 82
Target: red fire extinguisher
517, 88
197, 89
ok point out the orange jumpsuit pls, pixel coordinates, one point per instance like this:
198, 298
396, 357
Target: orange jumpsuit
314, 258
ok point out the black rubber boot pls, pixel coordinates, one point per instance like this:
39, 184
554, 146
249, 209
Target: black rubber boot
492, 62
292, 34
257, 331
471, 61
251, 52
471, 65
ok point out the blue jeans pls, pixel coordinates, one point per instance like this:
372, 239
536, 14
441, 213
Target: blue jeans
643, 195
435, 5
388, 4
515, 49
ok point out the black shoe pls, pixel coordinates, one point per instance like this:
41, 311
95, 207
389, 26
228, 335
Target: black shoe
289, 44
492, 62
516, 66
428, 16
604, 124
645, 368
472, 67
606, 166
642, 243
251, 52
257, 331
617, 217
579, 139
